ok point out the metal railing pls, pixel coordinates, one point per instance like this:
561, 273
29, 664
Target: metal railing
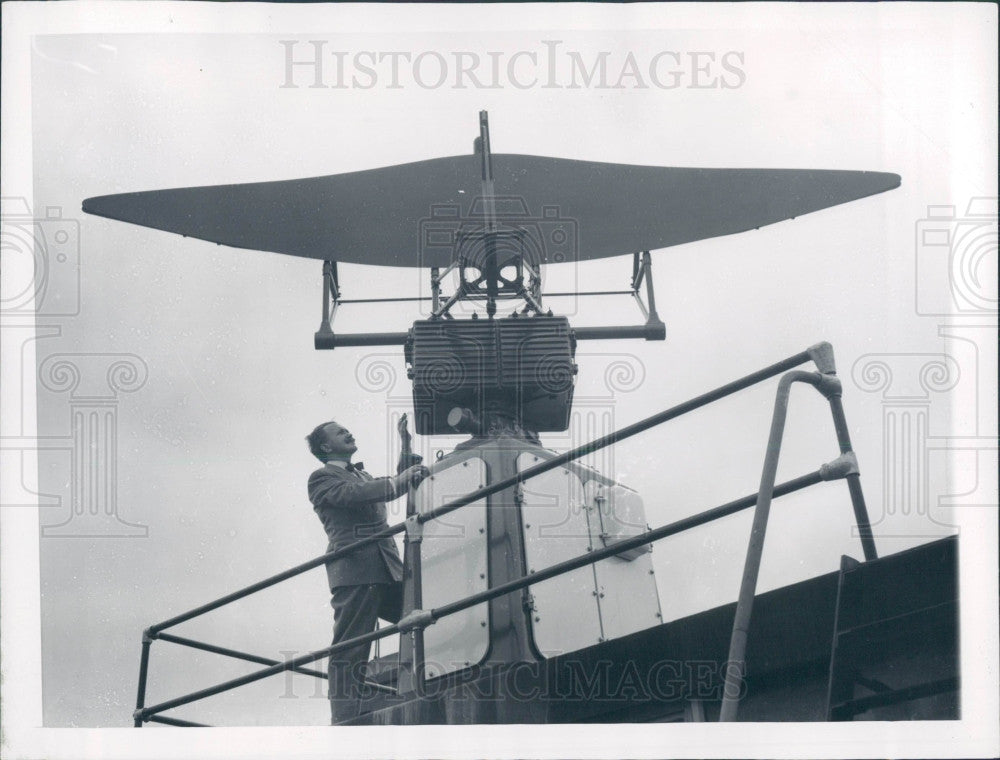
843, 467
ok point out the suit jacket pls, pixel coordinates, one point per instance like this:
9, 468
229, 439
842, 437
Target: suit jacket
352, 508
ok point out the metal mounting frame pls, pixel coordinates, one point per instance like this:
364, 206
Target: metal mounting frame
531, 293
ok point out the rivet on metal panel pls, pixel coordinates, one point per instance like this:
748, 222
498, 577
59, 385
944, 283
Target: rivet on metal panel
466, 663
590, 548
538, 619
527, 525
482, 575
659, 615
465, 464
601, 638
601, 596
651, 572
594, 593
482, 530
530, 570
482, 623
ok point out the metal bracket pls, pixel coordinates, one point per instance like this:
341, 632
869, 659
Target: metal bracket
528, 602
822, 356
414, 529
139, 715
841, 467
416, 619
149, 636
519, 494
435, 288
829, 385
643, 270
331, 300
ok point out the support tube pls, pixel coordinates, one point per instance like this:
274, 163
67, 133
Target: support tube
755, 547
234, 653
853, 481
140, 698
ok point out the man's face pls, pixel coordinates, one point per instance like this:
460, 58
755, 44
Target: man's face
339, 441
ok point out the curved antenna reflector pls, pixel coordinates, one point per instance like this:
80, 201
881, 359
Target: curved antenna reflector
416, 214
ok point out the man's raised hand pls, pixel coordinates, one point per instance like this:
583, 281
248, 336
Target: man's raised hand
402, 428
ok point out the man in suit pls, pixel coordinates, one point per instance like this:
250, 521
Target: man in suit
365, 584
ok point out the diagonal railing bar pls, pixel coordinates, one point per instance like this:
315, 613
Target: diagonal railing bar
430, 616
234, 653
829, 386
626, 432
679, 526
176, 722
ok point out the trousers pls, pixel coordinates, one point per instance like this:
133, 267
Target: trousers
356, 610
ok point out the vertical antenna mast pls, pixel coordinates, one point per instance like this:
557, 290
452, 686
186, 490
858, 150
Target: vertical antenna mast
489, 216
489, 200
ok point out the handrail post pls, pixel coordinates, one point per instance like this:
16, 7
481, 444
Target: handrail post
822, 355
755, 548
853, 481
414, 538
140, 699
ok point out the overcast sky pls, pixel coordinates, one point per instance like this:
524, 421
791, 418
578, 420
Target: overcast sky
210, 451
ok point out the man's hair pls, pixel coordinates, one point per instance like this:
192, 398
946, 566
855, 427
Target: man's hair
316, 439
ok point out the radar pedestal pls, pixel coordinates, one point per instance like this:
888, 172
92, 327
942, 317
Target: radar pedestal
488, 664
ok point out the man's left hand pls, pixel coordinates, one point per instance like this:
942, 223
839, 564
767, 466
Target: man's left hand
402, 428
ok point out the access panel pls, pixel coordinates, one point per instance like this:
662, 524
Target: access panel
453, 566
626, 586
564, 615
